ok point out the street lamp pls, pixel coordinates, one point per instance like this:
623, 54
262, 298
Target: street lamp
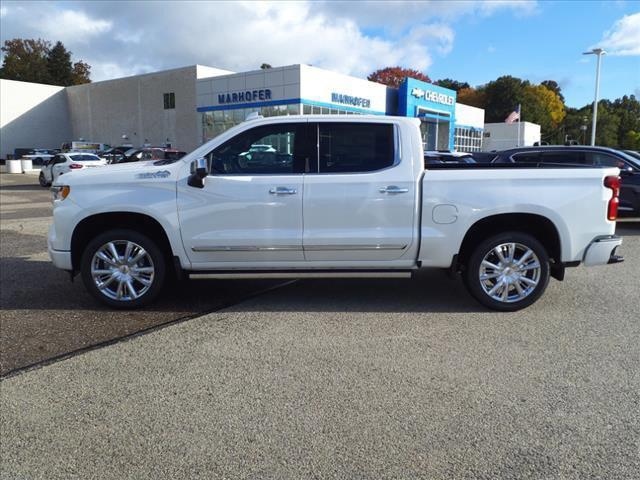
599, 52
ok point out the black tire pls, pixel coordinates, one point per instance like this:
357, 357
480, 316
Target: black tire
43, 180
120, 236
476, 287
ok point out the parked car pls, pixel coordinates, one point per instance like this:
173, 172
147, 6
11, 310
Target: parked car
484, 157
370, 210
115, 154
161, 153
439, 157
39, 155
67, 162
633, 153
581, 156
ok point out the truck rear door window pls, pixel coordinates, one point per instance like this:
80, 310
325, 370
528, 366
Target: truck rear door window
355, 147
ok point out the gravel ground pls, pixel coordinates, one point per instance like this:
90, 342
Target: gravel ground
351, 379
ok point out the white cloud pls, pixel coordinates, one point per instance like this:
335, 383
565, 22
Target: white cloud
624, 37
350, 37
71, 25
3, 12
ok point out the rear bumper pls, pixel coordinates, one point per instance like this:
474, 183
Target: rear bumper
602, 251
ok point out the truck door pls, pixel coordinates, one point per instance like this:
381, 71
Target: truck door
359, 202
250, 209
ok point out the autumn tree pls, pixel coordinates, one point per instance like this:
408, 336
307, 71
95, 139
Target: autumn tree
393, 76
472, 96
554, 87
25, 60
542, 106
451, 84
80, 73
30, 60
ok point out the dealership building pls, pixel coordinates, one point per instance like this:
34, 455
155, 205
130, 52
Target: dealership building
187, 106
226, 100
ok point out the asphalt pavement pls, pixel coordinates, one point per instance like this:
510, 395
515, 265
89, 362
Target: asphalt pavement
368, 379
44, 316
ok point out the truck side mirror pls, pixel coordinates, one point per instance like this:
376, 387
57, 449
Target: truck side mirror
196, 179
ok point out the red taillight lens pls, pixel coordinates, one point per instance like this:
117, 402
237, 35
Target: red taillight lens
75, 166
613, 183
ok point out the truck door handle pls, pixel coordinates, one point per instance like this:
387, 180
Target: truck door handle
283, 191
393, 189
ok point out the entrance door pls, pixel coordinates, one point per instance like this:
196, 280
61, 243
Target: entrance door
250, 209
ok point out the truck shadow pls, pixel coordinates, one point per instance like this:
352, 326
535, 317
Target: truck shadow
36, 285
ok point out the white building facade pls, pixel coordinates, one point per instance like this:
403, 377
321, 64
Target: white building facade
500, 136
185, 107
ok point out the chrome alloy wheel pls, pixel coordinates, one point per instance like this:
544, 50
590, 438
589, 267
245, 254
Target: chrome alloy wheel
509, 272
122, 270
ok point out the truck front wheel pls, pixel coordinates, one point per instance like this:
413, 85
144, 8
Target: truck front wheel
508, 272
123, 269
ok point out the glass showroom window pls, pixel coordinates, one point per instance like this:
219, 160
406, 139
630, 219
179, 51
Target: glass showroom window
467, 139
218, 121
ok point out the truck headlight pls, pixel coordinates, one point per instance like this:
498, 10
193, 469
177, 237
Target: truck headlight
61, 192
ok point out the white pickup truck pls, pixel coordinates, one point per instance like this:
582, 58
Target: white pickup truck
344, 196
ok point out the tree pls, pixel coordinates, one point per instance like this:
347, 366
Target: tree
502, 96
631, 140
542, 106
265, 66
554, 87
472, 96
59, 65
452, 84
29, 60
25, 60
393, 76
80, 73
628, 109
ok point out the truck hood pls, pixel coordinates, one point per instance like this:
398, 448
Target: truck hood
134, 172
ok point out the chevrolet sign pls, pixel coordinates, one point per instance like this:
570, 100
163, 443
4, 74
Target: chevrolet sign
432, 96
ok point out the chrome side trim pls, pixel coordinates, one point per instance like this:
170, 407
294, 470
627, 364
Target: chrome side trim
278, 248
289, 248
316, 248
390, 274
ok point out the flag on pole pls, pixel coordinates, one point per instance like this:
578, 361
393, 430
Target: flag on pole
513, 116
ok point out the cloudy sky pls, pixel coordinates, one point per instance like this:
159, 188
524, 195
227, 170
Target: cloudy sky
473, 41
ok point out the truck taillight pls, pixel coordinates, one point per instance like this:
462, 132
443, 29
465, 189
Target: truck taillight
75, 166
613, 183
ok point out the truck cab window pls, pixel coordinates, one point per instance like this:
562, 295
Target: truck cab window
355, 147
272, 149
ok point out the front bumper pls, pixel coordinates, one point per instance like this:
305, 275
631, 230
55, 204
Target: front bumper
60, 258
602, 250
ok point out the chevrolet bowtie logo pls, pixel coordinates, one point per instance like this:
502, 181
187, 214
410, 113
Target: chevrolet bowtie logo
417, 92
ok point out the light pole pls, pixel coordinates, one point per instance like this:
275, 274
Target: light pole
599, 52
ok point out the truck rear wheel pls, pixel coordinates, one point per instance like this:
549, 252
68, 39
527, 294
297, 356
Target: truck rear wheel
123, 269
508, 272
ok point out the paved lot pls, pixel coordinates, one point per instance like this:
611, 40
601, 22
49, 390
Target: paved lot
347, 379
44, 315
